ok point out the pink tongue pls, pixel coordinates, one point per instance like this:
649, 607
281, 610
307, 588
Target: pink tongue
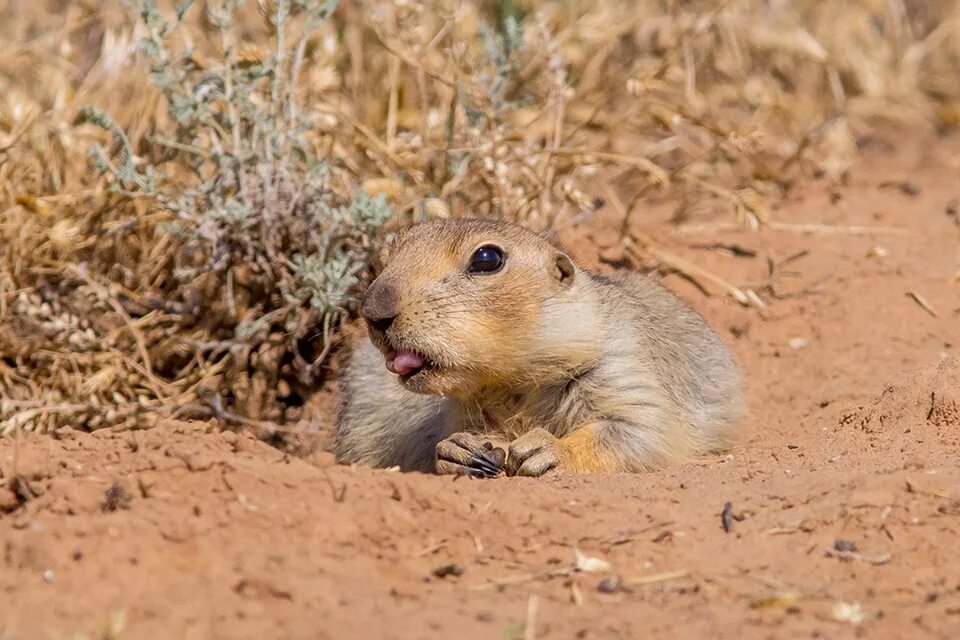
404, 362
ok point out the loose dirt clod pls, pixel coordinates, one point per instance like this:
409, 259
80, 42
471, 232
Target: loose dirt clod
588, 564
446, 570
726, 517
22, 489
903, 186
848, 612
9, 501
116, 497
953, 210
612, 584
842, 545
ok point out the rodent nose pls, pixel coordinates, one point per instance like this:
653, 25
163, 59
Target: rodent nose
382, 325
379, 305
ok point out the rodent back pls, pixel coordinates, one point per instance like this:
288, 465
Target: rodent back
695, 368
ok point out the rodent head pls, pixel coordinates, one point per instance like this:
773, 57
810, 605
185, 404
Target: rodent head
466, 305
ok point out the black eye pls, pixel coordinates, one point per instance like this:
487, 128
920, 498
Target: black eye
486, 259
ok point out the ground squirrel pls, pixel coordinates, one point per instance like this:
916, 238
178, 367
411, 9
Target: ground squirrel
490, 351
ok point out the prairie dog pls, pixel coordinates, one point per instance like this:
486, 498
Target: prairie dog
489, 350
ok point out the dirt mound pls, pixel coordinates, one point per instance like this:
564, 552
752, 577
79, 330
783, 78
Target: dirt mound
930, 397
844, 507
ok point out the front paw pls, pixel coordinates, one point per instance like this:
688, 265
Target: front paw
534, 453
470, 455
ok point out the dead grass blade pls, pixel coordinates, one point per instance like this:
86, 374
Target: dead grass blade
920, 300
698, 274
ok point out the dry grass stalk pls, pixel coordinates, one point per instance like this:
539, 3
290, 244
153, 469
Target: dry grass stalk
922, 301
655, 578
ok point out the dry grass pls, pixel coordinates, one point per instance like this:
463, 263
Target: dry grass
444, 108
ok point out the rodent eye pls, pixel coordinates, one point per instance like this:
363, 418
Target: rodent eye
486, 259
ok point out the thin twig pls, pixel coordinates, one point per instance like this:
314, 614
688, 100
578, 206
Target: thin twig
530, 627
691, 270
656, 577
521, 579
920, 300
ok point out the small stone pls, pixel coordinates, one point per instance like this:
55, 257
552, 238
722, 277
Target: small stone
448, 570
844, 546
848, 612
9, 501
797, 343
116, 497
613, 584
588, 564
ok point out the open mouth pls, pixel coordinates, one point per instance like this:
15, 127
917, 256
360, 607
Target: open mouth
407, 363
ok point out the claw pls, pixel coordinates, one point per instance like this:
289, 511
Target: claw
488, 462
468, 454
533, 454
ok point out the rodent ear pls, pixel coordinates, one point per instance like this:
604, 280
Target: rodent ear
563, 269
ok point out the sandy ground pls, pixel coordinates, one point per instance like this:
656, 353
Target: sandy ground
845, 495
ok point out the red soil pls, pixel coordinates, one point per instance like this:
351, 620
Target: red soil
853, 443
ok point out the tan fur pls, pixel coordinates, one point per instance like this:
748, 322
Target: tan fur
582, 452
626, 375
